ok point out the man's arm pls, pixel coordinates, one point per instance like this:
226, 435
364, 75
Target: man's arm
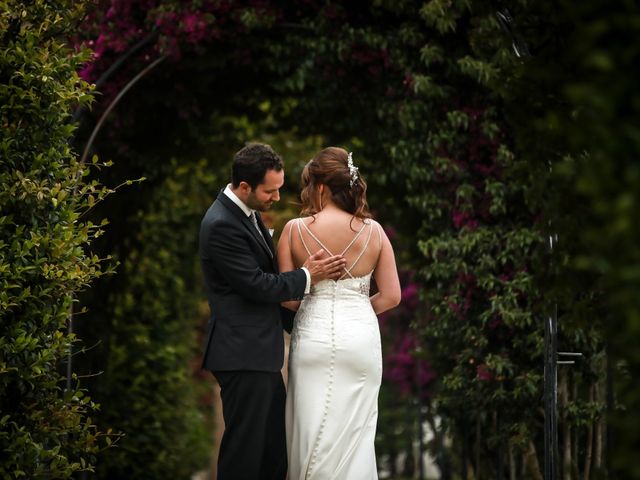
228, 249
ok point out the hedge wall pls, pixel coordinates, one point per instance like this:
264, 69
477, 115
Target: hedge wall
46, 429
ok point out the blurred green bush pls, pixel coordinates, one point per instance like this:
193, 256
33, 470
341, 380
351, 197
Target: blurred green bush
46, 427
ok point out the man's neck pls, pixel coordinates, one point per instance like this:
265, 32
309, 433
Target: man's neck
231, 193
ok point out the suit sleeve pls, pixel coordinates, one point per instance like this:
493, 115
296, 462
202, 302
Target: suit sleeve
235, 261
287, 319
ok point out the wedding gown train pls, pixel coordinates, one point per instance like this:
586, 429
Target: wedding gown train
335, 370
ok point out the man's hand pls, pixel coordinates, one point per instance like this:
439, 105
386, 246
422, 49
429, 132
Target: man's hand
322, 267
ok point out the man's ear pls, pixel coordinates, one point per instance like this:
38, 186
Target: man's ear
245, 187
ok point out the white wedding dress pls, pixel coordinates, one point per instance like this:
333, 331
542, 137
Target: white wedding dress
335, 370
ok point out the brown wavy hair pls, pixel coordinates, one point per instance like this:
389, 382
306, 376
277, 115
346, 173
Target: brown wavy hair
329, 167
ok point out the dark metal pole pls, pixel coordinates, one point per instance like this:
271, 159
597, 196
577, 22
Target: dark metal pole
116, 65
551, 396
500, 459
114, 102
83, 158
420, 420
465, 453
609, 438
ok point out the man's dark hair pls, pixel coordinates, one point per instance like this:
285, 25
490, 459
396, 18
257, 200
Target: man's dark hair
251, 163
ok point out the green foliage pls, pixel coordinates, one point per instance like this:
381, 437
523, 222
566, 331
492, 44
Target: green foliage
45, 429
489, 278
590, 198
474, 154
146, 388
476, 238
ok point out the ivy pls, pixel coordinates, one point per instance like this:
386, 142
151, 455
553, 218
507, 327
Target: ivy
46, 429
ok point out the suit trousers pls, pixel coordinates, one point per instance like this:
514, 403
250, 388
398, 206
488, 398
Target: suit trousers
253, 445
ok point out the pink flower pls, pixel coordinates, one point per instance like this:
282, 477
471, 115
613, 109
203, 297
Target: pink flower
459, 218
408, 81
495, 323
464, 219
505, 277
190, 22
119, 45
455, 307
483, 373
410, 296
85, 74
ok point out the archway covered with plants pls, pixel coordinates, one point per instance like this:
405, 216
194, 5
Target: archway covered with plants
474, 156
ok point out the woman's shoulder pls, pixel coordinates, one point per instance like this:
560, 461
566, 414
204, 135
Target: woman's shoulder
294, 221
369, 222
304, 220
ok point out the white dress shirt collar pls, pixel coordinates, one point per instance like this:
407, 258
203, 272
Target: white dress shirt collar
234, 198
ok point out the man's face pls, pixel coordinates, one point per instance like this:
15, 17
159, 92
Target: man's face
262, 197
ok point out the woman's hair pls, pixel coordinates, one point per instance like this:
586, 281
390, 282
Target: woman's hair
330, 168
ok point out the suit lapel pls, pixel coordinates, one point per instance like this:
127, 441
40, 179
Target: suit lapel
267, 237
237, 211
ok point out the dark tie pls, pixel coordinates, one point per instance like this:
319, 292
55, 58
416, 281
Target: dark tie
254, 220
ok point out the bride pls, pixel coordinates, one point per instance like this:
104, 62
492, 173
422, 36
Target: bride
335, 359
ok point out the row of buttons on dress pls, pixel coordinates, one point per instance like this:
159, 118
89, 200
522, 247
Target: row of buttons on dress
325, 413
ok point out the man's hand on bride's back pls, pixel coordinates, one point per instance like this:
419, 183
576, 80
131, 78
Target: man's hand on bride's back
321, 266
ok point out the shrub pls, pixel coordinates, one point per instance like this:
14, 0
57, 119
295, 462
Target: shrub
45, 428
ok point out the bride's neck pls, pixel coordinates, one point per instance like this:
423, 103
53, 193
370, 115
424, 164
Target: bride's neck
330, 207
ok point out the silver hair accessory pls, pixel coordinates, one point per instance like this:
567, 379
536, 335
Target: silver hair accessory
353, 170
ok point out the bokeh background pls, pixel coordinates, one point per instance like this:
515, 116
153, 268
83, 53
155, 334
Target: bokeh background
500, 144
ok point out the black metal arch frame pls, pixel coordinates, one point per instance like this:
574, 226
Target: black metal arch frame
77, 117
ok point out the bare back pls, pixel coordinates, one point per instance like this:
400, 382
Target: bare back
339, 233
363, 244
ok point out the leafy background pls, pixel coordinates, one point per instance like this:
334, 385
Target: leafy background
474, 157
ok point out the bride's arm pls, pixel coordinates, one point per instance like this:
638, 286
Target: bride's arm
386, 275
285, 261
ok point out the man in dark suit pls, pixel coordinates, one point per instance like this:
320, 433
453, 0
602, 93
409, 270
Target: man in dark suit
245, 346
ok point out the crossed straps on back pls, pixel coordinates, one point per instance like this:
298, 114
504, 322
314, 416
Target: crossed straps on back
347, 270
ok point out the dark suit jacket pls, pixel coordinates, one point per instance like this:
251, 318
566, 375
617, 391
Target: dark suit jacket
244, 290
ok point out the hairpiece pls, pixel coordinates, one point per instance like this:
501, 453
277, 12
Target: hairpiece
353, 170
